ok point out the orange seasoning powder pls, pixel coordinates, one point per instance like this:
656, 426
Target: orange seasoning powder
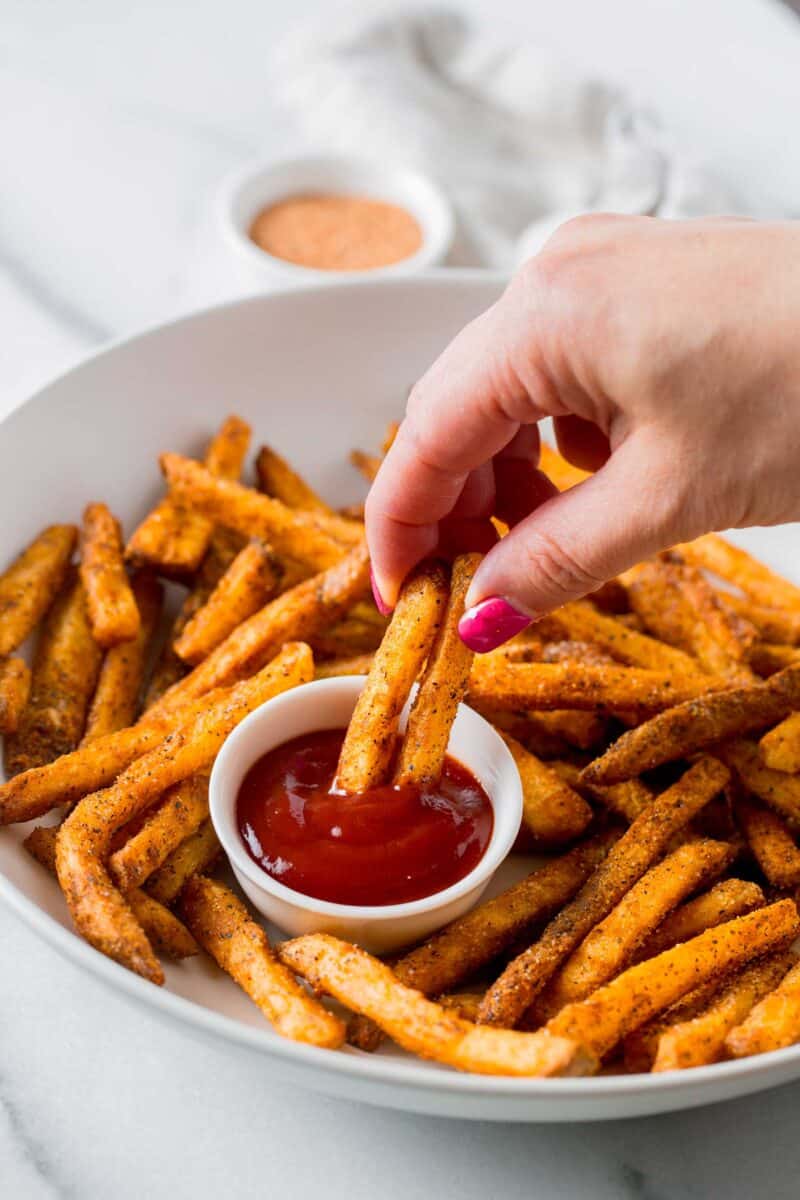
337, 233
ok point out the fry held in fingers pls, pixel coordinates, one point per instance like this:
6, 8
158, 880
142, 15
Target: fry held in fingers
224, 928
417, 1024
29, 586
251, 580
113, 613
371, 735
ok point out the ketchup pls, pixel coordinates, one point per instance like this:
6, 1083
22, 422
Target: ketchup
388, 845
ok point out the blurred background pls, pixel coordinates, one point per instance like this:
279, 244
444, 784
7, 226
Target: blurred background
119, 121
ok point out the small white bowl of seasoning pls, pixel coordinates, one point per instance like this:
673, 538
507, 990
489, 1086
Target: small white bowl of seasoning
314, 219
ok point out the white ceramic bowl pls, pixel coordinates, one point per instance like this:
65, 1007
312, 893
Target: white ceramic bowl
243, 195
316, 371
328, 704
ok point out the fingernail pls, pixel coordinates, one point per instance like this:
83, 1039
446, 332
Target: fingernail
382, 606
487, 625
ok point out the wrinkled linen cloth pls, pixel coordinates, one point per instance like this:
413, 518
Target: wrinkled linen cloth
519, 139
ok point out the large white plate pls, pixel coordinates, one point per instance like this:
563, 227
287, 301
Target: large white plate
316, 373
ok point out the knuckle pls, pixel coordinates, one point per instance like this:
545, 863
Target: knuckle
553, 569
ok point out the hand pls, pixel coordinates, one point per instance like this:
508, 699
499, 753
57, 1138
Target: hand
668, 354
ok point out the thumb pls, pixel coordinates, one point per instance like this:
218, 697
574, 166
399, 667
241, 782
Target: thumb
577, 541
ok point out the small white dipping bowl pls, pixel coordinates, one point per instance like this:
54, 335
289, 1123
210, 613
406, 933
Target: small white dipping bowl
328, 704
243, 196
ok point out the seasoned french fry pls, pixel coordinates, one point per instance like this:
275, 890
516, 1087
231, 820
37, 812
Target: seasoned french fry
15, 686
29, 586
98, 909
182, 811
360, 664
583, 730
279, 479
773, 624
369, 987
441, 690
724, 901
113, 614
610, 946
627, 799
167, 935
773, 1023
767, 658
173, 537
640, 1046
223, 927
65, 667
757, 581
639, 848
552, 811
463, 1004
119, 684
169, 668
581, 621
194, 855
304, 536
295, 615
367, 464
701, 1039
640, 993
557, 469
696, 724
568, 685
777, 790
780, 748
771, 843
721, 639
370, 739
251, 580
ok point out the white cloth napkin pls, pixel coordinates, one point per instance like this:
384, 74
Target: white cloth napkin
519, 139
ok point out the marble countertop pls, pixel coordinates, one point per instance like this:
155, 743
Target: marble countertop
118, 121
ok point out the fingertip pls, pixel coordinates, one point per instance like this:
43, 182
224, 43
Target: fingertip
490, 623
383, 608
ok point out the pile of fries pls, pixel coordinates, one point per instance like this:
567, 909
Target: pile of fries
655, 726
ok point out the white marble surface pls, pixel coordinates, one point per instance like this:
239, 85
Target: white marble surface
117, 121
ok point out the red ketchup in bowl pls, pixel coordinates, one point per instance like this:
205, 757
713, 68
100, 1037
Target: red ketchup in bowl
389, 845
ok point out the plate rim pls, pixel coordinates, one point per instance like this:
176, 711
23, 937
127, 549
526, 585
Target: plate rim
357, 1066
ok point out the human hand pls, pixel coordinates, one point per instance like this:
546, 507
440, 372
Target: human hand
668, 354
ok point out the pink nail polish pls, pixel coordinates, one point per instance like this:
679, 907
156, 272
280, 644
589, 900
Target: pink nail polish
487, 625
382, 606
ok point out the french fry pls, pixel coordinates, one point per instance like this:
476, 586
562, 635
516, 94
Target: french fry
568, 685
627, 799
223, 927
767, 658
65, 668
463, 1004
169, 668
367, 464
558, 470
610, 946
251, 580
196, 854
722, 639
29, 586
295, 615
582, 622
277, 478
348, 637
771, 844
370, 738
701, 1039
696, 724
773, 1023
581, 729
98, 909
182, 811
441, 689
369, 987
781, 626
600, 1021
777, 790
173, 538
113, 614
359, 664
119, 684
303, 536
724, 901
780, 747
757, 581
15, 686
638, 849
167, 935
552, 811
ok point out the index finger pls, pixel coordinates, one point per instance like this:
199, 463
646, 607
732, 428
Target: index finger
465, 409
